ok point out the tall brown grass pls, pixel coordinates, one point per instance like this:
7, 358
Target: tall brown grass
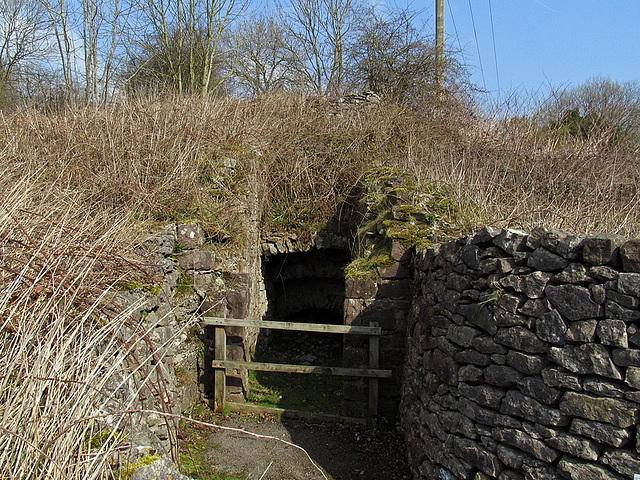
80, 186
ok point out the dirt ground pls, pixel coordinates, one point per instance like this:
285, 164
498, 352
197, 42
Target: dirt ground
341, 452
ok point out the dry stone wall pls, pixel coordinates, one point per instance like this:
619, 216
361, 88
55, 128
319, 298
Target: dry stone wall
523, 358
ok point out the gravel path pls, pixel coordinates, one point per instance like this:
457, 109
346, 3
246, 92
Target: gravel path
343, 452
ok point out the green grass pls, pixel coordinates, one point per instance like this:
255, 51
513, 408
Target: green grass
313, 393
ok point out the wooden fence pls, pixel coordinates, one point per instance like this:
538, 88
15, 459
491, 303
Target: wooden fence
220, 363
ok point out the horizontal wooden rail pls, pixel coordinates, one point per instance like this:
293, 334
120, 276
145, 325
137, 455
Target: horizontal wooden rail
301, 327
307, 369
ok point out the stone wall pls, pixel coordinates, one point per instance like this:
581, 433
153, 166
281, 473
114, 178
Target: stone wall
382, 302
523, 358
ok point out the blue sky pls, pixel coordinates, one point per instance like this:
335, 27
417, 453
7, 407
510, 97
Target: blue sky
542, 42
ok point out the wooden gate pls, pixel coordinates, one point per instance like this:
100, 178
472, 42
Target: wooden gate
220, 363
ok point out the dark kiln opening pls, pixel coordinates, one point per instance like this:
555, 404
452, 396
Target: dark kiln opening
304, 287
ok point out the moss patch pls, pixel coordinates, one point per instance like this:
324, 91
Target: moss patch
125, 286
127, 471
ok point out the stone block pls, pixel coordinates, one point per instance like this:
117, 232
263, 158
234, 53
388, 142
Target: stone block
532, 285
573, 302
621, 299
457, 282
618, 312
556, 378
613, 333
476, 455
462, 335
395, 289
238, 302
508, 302
471, 356
543, 259
576, 446
488, 345
551, 328
589, 359
399, 252
582, 331
484, 416
478, 315
198, 260
360, 288
629, 284
630, 255
632, 377
471, 255
601, 432
620, 413
524, 442
470, 374
521, 406
510, 457
565, 244
602, 249
482, 394
602, 387
189, 235
397, 270
575, 469
525, 363
603, 273
488, 265
575, 273
445, 368
535, 472
485, 236
533, 308
627, 357
163, 242
598, 293
508, 319
623, 462
521, 339
501, 376
454, 422
535, 388
511, 241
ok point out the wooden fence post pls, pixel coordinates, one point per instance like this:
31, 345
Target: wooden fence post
374, 361
220, 373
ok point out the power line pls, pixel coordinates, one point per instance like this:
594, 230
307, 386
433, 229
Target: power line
475, 34
495, 55
454, 25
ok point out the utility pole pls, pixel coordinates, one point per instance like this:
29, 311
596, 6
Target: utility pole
440, 48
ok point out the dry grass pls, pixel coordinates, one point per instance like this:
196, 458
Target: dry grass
80, 185
68, 359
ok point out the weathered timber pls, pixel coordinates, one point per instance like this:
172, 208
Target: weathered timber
304, 369
220, 374
374, 363
301, 327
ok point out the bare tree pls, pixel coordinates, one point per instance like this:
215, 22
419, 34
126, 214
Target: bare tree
597, 104
318, 32
24, 29
262, 61
179, 44
61, 23
393, 57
